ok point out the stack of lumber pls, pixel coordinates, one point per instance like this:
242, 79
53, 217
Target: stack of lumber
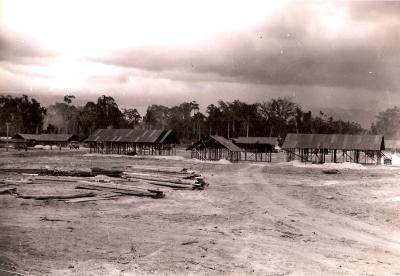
48, 172
178, 178
7, 188
107, 172
54, 172
103, 183
165, 170
98, 190
56, 196
120, 189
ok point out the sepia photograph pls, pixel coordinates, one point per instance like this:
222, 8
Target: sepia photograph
187, 137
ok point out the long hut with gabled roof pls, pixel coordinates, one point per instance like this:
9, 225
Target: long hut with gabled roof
214, 148
319, 148
133, 141
258, 149
392, 145
45, 139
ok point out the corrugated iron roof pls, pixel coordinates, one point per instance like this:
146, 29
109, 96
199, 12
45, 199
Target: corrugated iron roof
26, 136
226, 143
392, 144
334, 141
211, 140
257, 140
165, 136
56, 137
130, 136
45, 137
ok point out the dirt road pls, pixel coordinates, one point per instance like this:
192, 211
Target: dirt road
272, 219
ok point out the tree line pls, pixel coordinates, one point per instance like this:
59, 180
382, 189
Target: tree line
275, 117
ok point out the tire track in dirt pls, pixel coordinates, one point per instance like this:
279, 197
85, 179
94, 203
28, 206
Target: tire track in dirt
320, 238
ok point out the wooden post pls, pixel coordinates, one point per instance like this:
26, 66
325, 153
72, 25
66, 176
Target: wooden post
7, 136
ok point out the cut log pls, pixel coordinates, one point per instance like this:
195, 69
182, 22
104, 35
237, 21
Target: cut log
331, 171
155, 174
8, 190
160, 174
18, 170
46, 197
162, 179
96, 198
173, 185
3, 185
51, 219
41, 172
189, 242
107, 172
14, 182
167, 170
119, 186
121, 189
4, 272
57, 179
48, 172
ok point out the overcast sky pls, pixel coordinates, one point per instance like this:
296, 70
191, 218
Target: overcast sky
322, 54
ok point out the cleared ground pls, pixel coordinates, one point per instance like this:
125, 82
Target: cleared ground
253, 219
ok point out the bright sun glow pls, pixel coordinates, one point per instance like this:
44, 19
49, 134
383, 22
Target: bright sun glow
90, 27
334, 20
77, 30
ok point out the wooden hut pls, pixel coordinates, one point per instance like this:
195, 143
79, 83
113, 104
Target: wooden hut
133, 141
215, 148
258, 149
45, 139
392, 145
320, 148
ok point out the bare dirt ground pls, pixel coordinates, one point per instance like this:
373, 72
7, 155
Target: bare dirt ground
253, 219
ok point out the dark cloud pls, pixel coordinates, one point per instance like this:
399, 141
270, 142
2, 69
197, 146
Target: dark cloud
295, 52
18, 49
372, 10
290, 49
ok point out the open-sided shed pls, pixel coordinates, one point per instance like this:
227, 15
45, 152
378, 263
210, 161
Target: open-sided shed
392, 145
256, 148
45, 139
351, 148
133, 141
215, 148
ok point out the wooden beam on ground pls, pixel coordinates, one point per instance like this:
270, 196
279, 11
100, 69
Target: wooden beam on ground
178, 186
8, 190
46, 197
96, 198
161, 179
121, 189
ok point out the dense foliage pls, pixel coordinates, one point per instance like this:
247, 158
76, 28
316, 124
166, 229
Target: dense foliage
387, 123
21, 114
276, 117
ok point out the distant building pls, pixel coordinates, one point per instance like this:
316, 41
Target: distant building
319, 148
44, 139
392, 145
133, 141
215, 148
257, 148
